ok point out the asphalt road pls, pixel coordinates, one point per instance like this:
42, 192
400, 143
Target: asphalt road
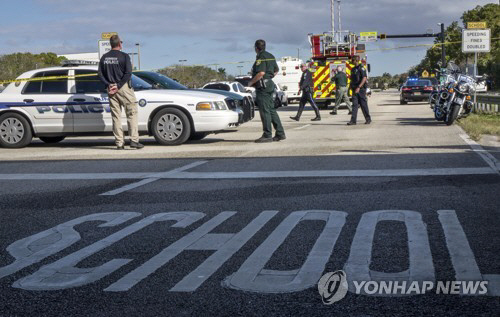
227, 227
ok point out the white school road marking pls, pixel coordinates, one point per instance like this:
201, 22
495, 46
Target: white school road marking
152, 178
485, 155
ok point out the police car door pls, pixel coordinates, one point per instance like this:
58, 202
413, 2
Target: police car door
91, 104
46, 101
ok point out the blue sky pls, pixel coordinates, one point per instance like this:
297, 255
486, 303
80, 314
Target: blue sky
219, 31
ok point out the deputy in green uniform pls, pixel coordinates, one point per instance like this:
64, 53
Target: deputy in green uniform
264, 68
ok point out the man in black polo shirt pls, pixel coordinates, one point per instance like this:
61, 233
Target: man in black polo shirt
358, 87
115, 71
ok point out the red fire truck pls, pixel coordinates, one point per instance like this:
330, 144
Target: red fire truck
330, 50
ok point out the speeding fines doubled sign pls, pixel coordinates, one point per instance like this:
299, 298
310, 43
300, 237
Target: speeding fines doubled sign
476, 41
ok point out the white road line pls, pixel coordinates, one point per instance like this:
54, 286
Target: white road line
302, 127
337, 173
485, 155
152, 178
178, 174
129, 187
73, 176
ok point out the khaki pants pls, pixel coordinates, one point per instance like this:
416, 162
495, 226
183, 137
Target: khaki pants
125, 98
342, 93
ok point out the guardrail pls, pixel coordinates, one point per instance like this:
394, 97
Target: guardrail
487, 103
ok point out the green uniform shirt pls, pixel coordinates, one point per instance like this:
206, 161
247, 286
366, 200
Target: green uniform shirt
265, 63
340, 79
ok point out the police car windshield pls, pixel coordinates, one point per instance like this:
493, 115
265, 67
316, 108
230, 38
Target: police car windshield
170, 83
243, 81
218, 87
139, 84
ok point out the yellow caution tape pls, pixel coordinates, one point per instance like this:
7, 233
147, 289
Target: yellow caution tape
44, 78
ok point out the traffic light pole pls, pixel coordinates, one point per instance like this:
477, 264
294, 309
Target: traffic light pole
435, 35
443, 50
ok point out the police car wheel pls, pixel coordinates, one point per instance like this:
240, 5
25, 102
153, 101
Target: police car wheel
52, 139
15, 131
171, 126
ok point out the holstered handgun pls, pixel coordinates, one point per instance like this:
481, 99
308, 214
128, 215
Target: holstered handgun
260, 84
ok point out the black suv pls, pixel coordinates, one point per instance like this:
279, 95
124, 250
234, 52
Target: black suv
415, 89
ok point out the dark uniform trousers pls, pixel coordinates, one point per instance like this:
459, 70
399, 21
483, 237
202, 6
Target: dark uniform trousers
360, 99
268, 114
305, 98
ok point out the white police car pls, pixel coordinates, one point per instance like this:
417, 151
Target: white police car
70, 100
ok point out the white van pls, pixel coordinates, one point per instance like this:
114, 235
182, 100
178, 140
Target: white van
288, 77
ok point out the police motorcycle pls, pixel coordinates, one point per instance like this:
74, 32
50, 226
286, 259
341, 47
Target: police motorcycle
453, 98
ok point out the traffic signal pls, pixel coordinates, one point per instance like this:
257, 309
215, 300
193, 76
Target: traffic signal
383, 36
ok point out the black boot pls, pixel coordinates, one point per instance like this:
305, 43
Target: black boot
299, 113
318, 116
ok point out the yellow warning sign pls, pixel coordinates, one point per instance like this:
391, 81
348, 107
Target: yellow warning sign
425, 73
107, 35
476, 25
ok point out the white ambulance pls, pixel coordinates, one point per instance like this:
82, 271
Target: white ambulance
288, 77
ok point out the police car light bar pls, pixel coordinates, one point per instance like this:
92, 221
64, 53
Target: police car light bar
76, 62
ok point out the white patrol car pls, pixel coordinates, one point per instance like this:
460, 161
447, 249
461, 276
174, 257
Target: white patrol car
75, 104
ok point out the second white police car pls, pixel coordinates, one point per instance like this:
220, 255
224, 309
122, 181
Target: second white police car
71, 100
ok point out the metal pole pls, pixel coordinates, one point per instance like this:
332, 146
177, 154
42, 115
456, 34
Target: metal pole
332, 2
443, 50
298, 53
139, 55
340, 21
475, 76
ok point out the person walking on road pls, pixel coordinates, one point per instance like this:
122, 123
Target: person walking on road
115, 71
263, 70
306, 86
341, 93
358, 87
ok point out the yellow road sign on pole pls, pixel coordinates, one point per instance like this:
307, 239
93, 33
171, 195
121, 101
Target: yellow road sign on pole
425, 73
476, 25
368, 36
107, 35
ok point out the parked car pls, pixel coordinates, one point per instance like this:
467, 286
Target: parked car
480, 86
234, 87
76, 103
243, 105
415, 89
280, 98
244, 80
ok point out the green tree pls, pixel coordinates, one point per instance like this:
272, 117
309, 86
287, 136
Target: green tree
13, 65
193, 76
488, 63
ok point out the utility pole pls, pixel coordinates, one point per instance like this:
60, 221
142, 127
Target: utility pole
138, 55
443, 50
332, 3
240, 67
